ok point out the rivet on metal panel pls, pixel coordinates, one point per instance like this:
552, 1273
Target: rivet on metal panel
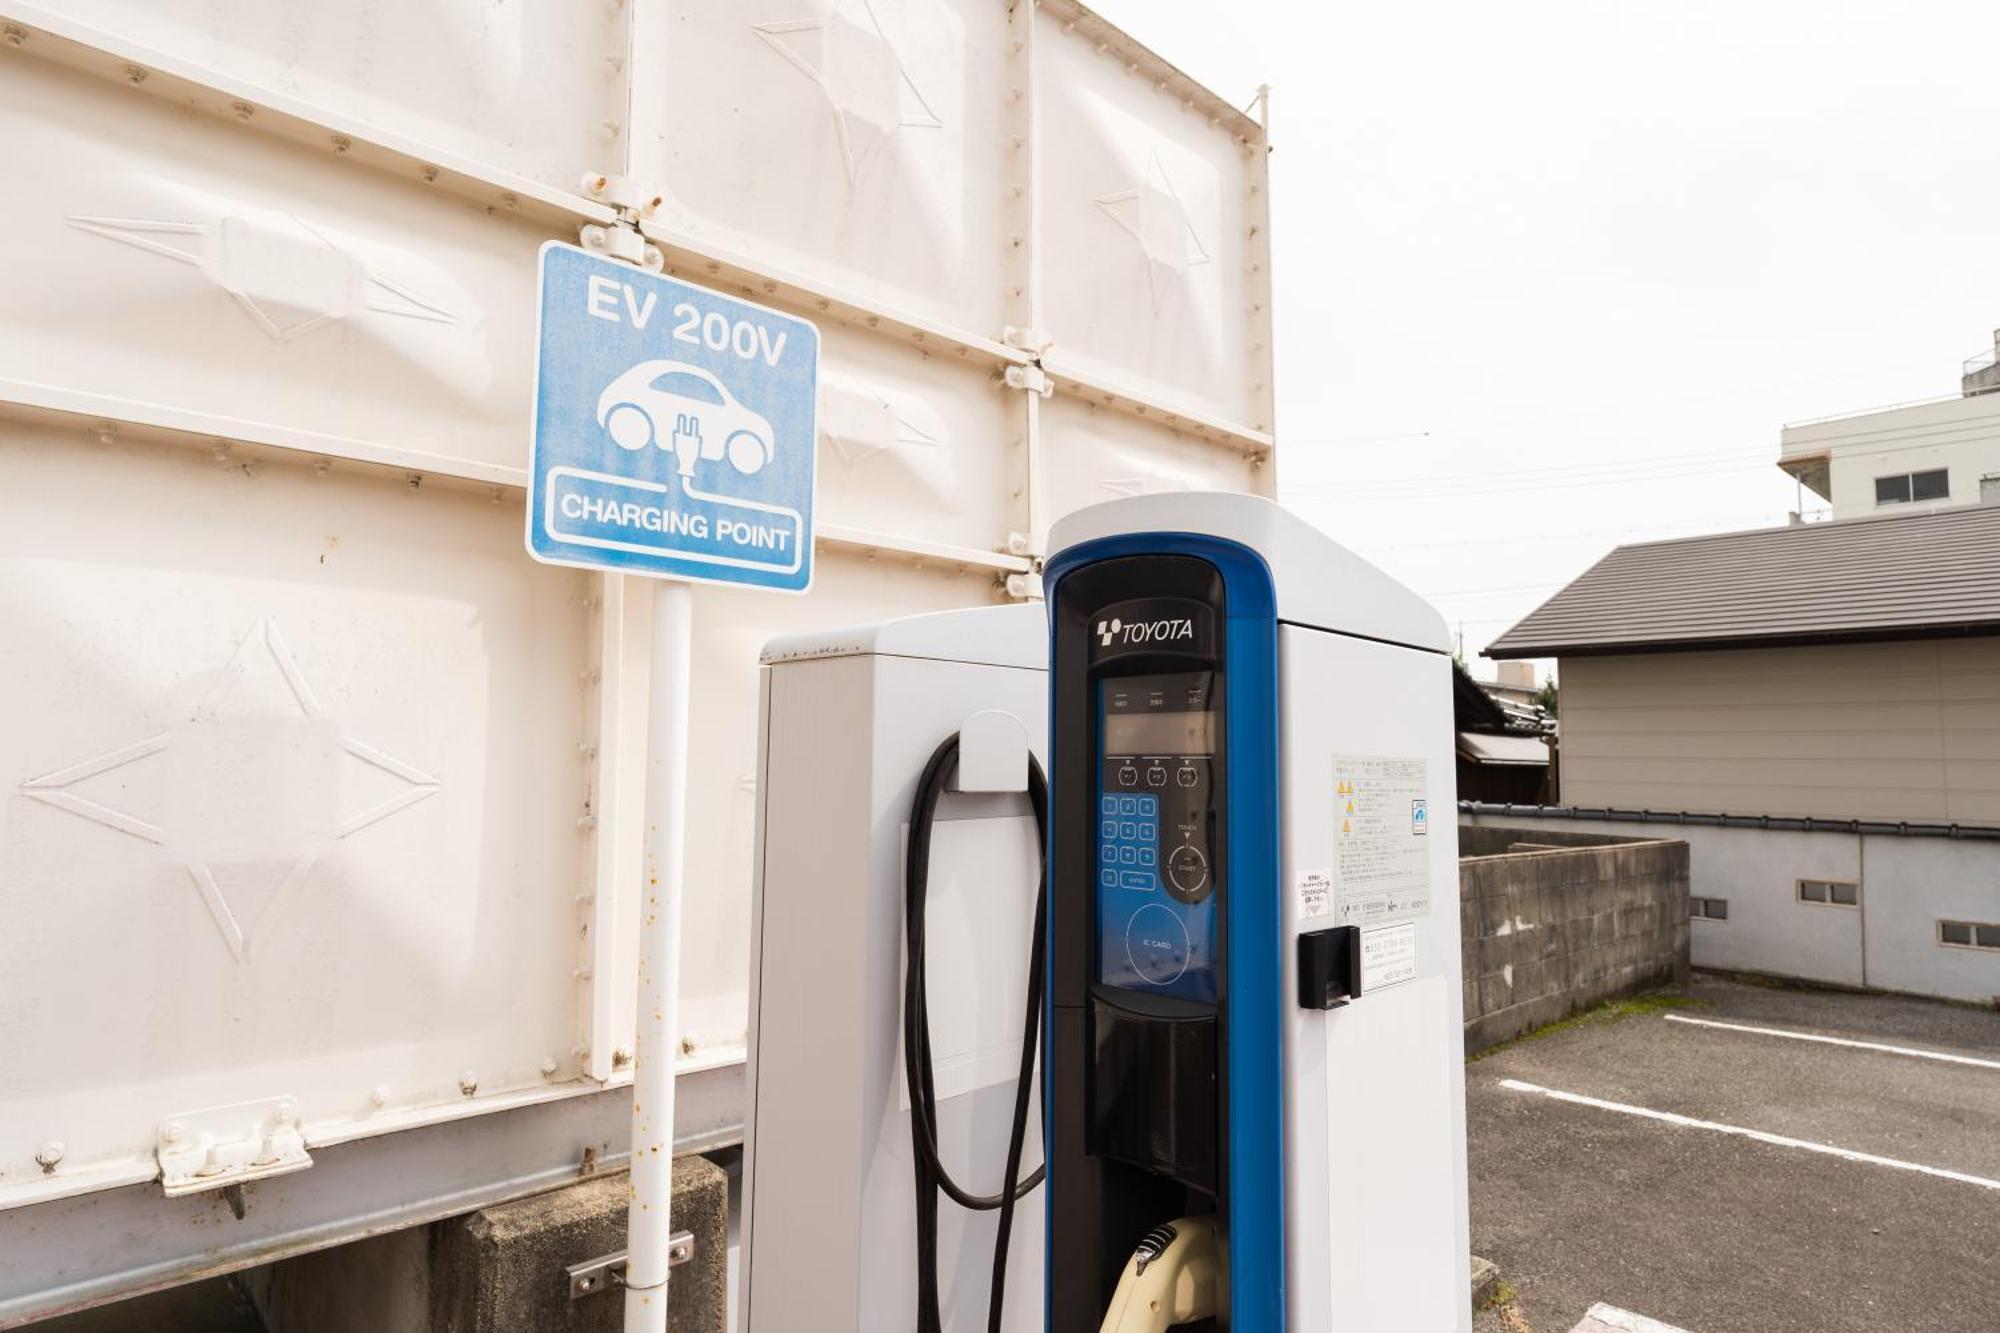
174, 1132
15, 34
414, 479
583, 974
549, 1066
510, 200
687, 1046
106, 433
499, 494
48, 1155
341, 143
610, 128
586, 822
134, 74
322, 466
590, 677
595, 183
430, 175
243, 110
378, 1096
588, 1166
220, 453
468, 1083
620, 1058
586, 750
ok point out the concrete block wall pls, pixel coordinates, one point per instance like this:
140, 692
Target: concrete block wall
503, 1269
1888, 942
1548, 932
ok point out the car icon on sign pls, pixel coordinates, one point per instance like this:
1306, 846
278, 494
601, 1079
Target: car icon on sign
654, 401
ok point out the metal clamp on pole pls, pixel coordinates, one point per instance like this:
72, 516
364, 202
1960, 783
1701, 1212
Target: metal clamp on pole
608, 1270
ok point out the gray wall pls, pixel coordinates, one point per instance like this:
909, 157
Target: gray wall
1546, 933
1892, 731
1890, 941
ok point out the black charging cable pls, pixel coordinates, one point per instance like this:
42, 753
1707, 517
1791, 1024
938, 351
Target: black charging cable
931, 1175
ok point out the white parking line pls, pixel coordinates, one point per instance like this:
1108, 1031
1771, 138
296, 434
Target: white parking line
1837, 1041
1604, 1318
1761, 1136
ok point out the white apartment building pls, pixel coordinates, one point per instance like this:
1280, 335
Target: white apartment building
1898, 459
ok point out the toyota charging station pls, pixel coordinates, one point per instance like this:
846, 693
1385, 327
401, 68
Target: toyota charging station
1254, 1011
1247, 976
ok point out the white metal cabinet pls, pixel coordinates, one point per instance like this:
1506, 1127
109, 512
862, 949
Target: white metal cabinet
264, 372
297, 801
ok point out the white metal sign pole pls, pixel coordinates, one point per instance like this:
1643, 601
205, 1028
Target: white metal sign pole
659, 960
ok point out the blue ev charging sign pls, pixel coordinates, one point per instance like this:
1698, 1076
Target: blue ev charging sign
675, 428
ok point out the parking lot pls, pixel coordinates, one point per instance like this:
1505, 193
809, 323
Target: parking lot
1755, 1161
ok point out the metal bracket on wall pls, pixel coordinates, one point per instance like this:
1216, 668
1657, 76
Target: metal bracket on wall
621, 240
1032, 379
607, 1271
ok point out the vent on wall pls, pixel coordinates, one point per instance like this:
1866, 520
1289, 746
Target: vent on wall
1830, 892
1969, 935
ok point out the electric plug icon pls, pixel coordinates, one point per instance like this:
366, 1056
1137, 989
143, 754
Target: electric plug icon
687, 441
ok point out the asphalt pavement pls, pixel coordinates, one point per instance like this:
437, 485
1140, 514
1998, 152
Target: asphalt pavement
1723, 1180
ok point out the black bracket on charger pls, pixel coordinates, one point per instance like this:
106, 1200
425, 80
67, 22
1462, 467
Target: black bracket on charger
1329, 967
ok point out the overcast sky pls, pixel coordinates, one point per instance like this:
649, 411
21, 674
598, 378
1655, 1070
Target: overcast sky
1550, 275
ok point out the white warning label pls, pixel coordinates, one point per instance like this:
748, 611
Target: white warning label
1381, 854
1315, 889
1388, 955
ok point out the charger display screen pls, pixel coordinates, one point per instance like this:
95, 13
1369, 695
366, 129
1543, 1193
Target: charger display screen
1156, 864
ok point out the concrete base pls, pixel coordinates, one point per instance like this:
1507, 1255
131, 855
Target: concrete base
502, 1269
1485, 1280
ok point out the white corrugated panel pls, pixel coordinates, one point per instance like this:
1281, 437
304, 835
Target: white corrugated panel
312, 785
